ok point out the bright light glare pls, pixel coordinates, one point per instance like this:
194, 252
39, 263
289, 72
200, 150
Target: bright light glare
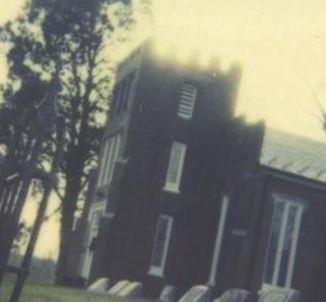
280, 44
204, 60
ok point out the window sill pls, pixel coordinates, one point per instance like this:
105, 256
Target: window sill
171, 190
109, 215
103, 186
156, 272
268, 287
186, 118
98, 205
211, 283
122, 161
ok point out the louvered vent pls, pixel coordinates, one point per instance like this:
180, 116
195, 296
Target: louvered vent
187, 101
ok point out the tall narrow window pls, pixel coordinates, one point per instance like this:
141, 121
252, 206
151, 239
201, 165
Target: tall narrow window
122, 94
94, 219
161, 245
283, 242
103, 162
110, 155
187, 101
115, 98
175, 167
126, 98
124, 91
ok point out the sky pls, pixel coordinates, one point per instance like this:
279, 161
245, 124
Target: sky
49, 237
281, 45
8, 10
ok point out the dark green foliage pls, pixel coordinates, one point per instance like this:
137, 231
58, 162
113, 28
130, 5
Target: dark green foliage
68, 38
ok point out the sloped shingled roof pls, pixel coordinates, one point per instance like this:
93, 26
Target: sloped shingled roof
294, 154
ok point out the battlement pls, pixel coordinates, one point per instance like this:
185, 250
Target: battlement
168, 55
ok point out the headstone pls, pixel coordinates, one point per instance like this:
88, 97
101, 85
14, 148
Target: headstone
198, 293
130, 291
168, 294
280, 295
119, 286
99, 286
237, 295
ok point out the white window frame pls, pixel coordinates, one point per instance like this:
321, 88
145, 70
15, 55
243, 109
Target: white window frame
187, 101
103, 162
281, 240
159, 270
93, 228
112, 147
114, 153
170, 185
219, 240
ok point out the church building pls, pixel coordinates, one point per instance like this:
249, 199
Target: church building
187, 193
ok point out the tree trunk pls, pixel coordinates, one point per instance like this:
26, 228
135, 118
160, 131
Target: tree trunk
69, 204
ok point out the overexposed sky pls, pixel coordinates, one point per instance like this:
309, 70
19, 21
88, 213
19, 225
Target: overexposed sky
8, 10
281, 45
49, 236
47, 243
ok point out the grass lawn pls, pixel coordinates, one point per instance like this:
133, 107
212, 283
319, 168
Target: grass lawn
47, 293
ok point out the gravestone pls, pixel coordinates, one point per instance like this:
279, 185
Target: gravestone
119, 286
168, 294
130, 291
198, 293
280, 295
99, 286
237, 295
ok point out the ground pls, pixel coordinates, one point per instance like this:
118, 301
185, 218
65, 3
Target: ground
47, 293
